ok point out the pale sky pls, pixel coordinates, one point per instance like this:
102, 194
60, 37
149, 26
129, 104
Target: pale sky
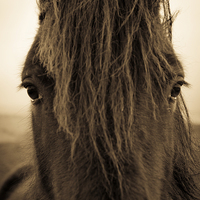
18, 25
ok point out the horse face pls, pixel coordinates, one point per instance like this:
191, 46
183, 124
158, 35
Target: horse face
147, 166
108, 118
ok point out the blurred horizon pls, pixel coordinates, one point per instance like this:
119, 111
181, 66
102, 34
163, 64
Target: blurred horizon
19, 22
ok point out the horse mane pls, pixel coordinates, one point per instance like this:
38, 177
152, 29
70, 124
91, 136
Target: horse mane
104, 56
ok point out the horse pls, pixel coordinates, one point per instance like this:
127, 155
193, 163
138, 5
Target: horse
109, 121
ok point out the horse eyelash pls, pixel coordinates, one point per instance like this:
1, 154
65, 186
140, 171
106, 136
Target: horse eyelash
20, 86
184, 83
24, 85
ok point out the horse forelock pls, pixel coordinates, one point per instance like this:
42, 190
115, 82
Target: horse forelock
111, 62
104, 46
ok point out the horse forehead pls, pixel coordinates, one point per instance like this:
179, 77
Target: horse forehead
30, 70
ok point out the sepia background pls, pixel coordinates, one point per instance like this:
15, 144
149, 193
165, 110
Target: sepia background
18, 25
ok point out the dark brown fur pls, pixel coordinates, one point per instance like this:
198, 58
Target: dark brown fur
106, 127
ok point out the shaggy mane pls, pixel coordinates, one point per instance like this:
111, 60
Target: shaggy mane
96, 50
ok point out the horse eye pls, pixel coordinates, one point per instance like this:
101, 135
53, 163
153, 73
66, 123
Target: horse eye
32, 92
175, 91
